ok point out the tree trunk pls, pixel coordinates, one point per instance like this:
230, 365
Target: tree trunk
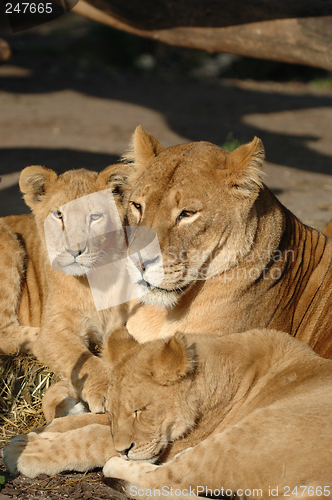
294, 31
5, 52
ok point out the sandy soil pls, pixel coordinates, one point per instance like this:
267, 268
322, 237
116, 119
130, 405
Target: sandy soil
66, 114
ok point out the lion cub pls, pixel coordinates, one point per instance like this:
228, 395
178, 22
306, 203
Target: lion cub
46, 303
250, 413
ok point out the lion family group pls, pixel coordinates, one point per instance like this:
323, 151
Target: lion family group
217, 377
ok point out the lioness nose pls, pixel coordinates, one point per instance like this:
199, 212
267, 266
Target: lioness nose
144, 264
77, 252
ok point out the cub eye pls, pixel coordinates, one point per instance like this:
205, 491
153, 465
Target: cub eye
95, 216
137, 413
57, 214
185, 214
138, 206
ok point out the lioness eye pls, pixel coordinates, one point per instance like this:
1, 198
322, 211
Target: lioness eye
138, 206
95, 216
57, 214
185, 213
137, 413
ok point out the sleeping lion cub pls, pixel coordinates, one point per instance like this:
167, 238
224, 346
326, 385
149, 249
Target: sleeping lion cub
249, 413
46, 304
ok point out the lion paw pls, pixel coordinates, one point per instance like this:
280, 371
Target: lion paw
12, 452
96, 384
94, 394
125, 469
95, 402
27, 454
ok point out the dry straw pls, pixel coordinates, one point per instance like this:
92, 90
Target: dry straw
23, 383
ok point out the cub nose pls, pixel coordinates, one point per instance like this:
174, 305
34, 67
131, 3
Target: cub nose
124, 452
77, 252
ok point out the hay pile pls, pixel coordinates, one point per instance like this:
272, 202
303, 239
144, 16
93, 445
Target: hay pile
23, 383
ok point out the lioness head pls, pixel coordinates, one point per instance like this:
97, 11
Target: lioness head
78, 213
145, 400
199, 199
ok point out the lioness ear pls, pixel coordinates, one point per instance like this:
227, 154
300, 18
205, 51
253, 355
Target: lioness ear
174, 360
118, 344
143, 147
116, 177
245, 166
34, 182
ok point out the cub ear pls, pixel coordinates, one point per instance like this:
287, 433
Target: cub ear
245, 166
144, 146
174, 360
117, 177
34, 182
118, 344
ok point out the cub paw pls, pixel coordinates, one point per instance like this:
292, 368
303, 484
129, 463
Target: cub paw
96, 385
27, 454
125, 469
96, 403
116, 467
12, 452
94, 394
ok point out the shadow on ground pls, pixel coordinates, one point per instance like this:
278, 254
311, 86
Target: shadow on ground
195, 110
15, 159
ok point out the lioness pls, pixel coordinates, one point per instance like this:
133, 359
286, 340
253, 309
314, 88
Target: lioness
233, 257
250, 412
52, 314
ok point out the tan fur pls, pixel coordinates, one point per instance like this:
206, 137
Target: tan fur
233, 257
48, 313
248, 411
328, 229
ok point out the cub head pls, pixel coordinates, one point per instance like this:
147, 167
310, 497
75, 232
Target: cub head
200, 201
79, 214
145, 401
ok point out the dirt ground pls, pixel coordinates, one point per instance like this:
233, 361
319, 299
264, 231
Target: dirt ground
63, 107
